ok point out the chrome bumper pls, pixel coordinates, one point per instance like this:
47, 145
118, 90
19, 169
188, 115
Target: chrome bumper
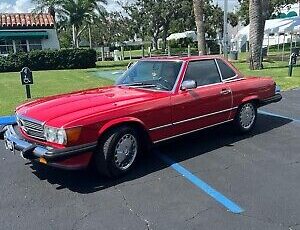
14, 141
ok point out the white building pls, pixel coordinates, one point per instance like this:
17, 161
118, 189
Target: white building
26, 32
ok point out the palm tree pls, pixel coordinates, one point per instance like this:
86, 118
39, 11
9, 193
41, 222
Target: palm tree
52, 6
258, 12
198, 6
80, 14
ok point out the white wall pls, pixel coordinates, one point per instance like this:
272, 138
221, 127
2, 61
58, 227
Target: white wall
50, 43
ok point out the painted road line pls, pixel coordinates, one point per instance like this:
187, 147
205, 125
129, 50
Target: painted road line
278, 115
7, 120
230, 205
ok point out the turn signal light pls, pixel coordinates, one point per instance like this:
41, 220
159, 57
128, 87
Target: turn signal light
42, 160
73, 134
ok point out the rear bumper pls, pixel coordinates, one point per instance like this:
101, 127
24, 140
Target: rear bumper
14, 141
276, 98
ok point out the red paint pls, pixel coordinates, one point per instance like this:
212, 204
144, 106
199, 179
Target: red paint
97, 110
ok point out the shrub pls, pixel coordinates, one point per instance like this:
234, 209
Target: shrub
49, 59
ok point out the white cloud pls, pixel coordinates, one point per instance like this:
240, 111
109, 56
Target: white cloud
19, 6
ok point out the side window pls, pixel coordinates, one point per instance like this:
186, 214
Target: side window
226, 71
203, 72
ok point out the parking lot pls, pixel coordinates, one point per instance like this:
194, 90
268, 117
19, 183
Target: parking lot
258, 173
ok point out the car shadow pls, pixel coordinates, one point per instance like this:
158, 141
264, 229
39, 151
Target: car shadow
187, 147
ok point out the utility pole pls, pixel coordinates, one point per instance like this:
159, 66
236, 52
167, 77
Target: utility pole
225, 35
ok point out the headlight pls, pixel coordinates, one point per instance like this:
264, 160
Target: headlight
62, 136
55, 135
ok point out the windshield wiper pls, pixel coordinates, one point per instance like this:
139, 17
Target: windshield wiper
140, 84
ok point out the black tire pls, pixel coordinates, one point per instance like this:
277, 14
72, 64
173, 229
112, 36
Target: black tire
105, 153
246, 125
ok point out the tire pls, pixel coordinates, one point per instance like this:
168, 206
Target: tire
245, 118
118, 152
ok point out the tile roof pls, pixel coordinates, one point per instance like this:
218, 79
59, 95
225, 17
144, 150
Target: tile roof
25, 20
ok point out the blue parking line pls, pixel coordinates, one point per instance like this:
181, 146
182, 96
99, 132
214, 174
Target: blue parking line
7, 120
230, 205
277, 115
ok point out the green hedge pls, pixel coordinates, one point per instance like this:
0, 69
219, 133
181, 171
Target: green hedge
49, 59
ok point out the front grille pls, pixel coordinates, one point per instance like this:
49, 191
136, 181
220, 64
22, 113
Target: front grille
33, 129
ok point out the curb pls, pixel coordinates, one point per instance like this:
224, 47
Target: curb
7, 120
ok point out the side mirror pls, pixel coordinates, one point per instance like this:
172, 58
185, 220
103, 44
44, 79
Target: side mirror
188, 84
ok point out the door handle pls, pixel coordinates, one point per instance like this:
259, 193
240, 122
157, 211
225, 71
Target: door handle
225, 91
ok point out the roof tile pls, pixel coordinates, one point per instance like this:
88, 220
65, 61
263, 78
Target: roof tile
27, 20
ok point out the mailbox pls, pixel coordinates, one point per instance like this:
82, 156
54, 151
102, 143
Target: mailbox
26, 76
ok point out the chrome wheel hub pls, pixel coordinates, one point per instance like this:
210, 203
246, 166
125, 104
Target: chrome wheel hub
247, 116
126, 151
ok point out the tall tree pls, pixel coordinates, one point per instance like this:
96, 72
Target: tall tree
79, 14
256, 33
273, 6
51, 6
199, 16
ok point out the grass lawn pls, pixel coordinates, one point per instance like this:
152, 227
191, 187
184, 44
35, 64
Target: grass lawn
12, 93
277, 70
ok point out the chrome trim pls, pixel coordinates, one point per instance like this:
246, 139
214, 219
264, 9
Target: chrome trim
30, 119
202, 116
228, 79
161, 127
219, 70
20, 144
191, 119
195, 130
208, 59
32, 127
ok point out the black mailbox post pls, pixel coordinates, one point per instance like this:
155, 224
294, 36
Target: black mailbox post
27, 80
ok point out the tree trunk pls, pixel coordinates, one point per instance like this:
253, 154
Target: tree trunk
155, 42
199, 13
256, 35
74, 35
165, 35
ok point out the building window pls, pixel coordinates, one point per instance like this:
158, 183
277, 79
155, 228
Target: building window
6, 46
35, 44
21, 45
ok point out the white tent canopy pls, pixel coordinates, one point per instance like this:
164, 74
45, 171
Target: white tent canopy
272, 26
281, 25
186, 34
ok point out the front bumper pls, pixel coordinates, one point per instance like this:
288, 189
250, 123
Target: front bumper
32, 151
276, 98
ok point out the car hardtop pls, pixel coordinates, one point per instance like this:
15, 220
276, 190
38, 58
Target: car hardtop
193, 58
182, 58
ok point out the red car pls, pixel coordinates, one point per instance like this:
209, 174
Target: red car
156, 99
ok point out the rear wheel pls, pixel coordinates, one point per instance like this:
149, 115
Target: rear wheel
117, 153
246, 117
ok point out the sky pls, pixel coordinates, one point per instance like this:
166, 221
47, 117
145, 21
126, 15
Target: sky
23, 6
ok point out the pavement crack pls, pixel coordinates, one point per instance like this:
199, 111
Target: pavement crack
130, 208
264, 220
197, 214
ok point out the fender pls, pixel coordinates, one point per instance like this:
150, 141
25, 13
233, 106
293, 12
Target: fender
250, 98
119, 121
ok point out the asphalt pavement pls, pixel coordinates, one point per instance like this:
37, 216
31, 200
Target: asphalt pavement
258, 172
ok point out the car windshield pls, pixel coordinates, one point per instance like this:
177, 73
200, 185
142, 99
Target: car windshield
159, 75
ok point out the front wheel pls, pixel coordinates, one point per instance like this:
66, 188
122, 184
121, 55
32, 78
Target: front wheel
117, 152
246, 117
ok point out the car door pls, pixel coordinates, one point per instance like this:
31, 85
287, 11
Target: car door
207, 105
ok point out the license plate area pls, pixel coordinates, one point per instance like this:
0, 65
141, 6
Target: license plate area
9, 145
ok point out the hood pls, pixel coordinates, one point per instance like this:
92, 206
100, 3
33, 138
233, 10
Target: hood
62, 109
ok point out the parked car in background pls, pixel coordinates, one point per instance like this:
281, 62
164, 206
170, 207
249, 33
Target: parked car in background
155, 100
